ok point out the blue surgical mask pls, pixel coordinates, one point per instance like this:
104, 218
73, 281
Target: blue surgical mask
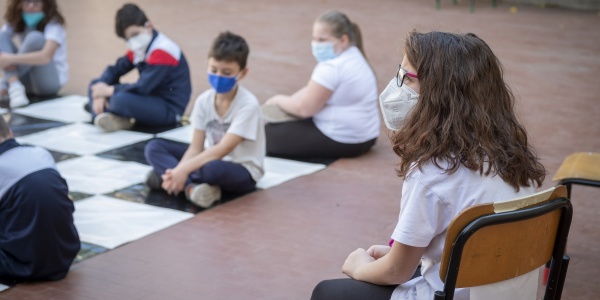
33, 19
222, 84
322, 51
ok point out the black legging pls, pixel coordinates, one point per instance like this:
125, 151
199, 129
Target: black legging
350, 289
302, 139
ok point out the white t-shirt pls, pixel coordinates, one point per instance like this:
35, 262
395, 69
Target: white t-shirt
242, 119
351, 115
53, 31
430, 200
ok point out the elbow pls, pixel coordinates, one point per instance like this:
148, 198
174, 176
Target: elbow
305, 113
46, 60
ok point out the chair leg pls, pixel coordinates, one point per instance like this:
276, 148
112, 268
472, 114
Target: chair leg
563, 274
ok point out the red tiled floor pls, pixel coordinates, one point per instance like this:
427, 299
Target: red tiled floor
278, 243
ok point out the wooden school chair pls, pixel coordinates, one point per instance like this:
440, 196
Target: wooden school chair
579, 168
491, 243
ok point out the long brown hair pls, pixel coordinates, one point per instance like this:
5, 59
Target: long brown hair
15, 9
465, 112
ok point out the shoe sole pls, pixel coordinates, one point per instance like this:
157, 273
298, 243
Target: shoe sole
110, 123
204, 195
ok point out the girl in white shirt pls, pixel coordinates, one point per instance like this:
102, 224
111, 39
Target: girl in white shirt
39, 65
460, 144
335, 114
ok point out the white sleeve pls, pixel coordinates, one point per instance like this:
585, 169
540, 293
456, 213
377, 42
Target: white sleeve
245, 122
55, 32
326, 74
421, 215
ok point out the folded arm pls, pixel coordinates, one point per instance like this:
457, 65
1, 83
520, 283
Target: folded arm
392, 268
306, 102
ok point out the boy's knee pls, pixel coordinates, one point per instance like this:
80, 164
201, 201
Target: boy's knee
120, 103
152, 147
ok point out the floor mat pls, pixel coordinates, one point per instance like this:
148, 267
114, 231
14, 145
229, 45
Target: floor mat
67, 109
82, 139
278, 171
108, 222
97, 175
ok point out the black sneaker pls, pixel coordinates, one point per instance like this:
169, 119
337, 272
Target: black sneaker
153, 181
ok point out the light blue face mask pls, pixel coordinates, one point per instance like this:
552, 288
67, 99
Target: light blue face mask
33, 19
322, 51
222, 84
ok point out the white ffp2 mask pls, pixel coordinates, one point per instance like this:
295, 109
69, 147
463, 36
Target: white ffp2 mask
396, 102
138, 45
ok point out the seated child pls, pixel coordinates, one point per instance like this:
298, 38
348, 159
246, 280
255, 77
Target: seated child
37, 64
163, 89
227, 119
38, 240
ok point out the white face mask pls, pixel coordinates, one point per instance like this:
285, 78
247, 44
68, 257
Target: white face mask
139, 44
396, 102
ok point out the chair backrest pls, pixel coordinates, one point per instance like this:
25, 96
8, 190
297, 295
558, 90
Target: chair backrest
494, 242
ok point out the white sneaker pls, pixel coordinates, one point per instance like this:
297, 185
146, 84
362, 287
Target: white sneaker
203, 195
111, 122
16, 94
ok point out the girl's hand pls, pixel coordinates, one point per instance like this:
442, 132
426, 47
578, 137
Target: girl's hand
378, 251
355, 260
5, 60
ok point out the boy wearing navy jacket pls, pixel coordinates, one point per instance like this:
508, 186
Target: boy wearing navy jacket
38, 240
163, 89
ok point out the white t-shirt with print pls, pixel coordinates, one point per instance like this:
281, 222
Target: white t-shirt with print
351, 115
430, 200
53, 31
242, 119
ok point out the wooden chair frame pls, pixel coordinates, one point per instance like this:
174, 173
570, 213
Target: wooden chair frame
479, 237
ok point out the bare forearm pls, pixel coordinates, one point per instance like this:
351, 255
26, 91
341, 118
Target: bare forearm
195, 161
383, 272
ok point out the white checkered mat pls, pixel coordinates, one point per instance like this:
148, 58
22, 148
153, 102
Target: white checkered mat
107, 221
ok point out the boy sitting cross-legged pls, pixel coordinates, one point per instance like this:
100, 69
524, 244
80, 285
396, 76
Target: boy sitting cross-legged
228, 118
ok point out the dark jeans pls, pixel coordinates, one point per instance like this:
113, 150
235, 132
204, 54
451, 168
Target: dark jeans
302, 139
231, 177
147, 110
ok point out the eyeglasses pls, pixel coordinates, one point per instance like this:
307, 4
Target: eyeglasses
34, 2
402, 74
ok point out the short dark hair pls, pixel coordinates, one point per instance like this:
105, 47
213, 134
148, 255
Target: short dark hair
230, 47
129, 15
4, 129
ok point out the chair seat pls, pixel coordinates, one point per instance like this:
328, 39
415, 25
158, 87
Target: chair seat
581, 165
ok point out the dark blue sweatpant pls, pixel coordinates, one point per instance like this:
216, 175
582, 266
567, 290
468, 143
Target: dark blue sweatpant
231, 177
147, 110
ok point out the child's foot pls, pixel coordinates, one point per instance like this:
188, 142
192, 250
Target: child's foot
153, 181
16, 94
203, 195
110, 122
